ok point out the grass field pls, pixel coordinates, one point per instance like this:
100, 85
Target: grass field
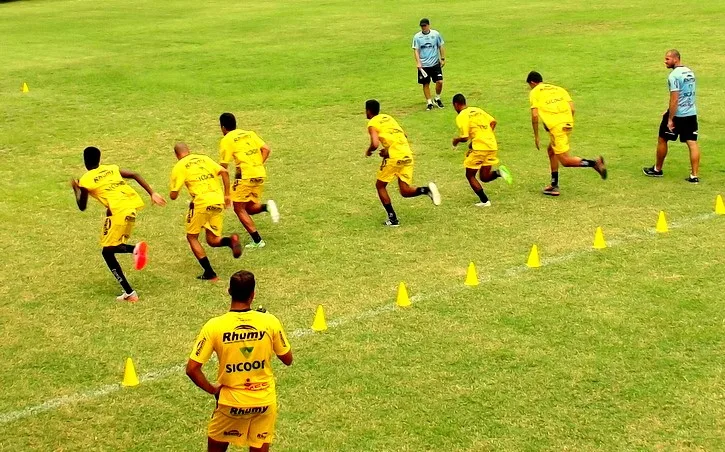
619, 349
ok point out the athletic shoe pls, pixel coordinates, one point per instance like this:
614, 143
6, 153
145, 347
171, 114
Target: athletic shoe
483, 204
205, 277
273, 211
506, 174
551, 191
254, 246
693, 179
236, 246
652, 172
130, 297
392, 223
439, 102
140, 255
600, 167
429, 107
434, 194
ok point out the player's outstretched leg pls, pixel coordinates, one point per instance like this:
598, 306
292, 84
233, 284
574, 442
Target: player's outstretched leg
408, 191
253, 208
231, 241
240, 208
109, 255
209, 273
477, 188
382, 189
569, 161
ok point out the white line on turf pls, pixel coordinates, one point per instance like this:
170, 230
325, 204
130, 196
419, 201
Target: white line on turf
103, 391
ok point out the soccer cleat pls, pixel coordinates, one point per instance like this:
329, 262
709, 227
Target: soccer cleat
140, 255
652, 172
483, 204
551, 191
236, 246
692, 179
254, 246
505, 174
439, 102
130, 297
273, 211
600, 167
205, 277
392, 223
434, 194
429, 107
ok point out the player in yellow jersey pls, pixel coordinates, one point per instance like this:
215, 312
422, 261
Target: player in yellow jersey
245, 342
247, 153
476, 127
397, 160
106, 183
201, 175
556, 109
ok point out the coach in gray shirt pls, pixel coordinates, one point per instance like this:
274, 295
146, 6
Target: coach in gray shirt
430, 57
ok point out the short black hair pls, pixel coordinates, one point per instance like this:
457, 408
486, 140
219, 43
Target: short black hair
241, 285
373, 106
228, 121
91, 157
459, 99
534, 77
424, 21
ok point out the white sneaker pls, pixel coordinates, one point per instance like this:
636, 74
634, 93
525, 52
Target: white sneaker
252, 245
435, 195
273, 211
130, 297
483, 204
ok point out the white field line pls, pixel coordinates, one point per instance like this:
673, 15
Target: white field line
161, 374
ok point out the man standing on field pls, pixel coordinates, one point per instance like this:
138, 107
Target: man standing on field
430, 57
679, 119
245, 341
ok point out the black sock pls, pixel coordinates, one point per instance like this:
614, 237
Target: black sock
255, 236
492, 176
204, 262
554, 178
587, 163
122, 248
391, 212
263, 209
110, 257
226, 241
422, 191
482, 196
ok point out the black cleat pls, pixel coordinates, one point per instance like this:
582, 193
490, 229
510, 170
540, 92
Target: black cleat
693, 179
439, 103
652, 172
393, 223
551, 190
600, 167
429, 107
204, 277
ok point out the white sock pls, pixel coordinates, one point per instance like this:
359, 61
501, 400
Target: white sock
430, 101
438, 97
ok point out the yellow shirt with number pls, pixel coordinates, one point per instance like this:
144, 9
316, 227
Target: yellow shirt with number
200, 174
391, 136
552, 103
107, 186
475, 124
245, 343
243, 148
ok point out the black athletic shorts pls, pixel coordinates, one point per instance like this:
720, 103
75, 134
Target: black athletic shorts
434, 73
685, 127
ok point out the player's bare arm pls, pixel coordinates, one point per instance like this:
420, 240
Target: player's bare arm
571, 106
173, 195
374, 141
225, 181
442, 51
416, 54
265, 150
535, 125
195, 374
674, 98
155, 197
458, 140
286, 358
81, 194
493, 124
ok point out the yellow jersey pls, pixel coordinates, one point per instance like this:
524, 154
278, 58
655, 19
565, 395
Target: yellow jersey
200, 174
243, 148
552, 103
475, 124
391, 137
107, 186
245, 343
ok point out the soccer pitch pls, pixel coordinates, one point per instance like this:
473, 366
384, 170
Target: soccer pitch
617, 349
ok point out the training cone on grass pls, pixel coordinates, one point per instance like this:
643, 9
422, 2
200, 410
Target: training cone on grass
661, 223
319, 324
471, 275
25, 88
599, 243
534, 261
402, 300
719, 206
129, 374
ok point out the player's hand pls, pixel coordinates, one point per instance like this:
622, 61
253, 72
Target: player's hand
227, 201
443, 63
217, 390
454, 143
536, 142
158, 199
384, 153
74, 184
671, 125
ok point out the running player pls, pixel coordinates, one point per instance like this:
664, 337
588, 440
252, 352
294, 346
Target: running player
106, 183
245, 341
247, 152
476, 127
397, 160
201, 174
556, 109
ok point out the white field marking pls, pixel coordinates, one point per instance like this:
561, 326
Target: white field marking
149, 377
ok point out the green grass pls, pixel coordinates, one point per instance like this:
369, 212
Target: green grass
614, 350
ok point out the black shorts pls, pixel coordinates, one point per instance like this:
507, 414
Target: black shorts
685, 127
434, 73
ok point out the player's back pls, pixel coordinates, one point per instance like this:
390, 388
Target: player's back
106, 184
243, 147
682, 79
476, 124
391, 136
552, 103
200, 175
